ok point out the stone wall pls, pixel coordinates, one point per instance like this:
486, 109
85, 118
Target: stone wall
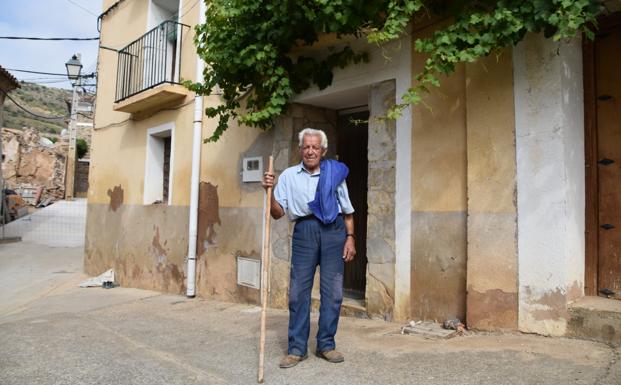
380, 288
29, 163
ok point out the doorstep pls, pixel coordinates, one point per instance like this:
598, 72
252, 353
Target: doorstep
595, 318
350, 308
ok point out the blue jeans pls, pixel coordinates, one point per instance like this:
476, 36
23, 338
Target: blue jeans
315, 244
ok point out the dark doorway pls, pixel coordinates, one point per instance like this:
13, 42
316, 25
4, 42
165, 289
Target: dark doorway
352, 144
602, 60
166, 179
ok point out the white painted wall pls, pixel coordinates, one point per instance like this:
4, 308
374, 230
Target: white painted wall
551, 188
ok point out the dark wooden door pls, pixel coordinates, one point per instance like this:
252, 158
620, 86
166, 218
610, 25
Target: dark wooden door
607, 55
352, 150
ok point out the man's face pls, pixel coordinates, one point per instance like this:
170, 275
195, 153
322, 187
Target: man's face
311, 151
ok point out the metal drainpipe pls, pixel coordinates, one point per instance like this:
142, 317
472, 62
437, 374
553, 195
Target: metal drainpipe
196, 160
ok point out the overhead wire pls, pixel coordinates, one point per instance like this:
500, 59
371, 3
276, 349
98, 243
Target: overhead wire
91, 75
49, 38
132, 119
41, 78
189, 9
28, 111
41, 116
82, 7
47, 81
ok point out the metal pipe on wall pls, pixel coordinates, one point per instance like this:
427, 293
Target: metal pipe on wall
195, 178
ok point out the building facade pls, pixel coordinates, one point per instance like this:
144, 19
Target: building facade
474, 206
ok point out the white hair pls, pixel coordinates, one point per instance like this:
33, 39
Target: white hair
313, 132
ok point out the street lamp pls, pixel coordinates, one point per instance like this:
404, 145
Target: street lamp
74, 67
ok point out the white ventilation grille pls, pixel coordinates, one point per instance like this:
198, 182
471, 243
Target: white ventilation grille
249, 272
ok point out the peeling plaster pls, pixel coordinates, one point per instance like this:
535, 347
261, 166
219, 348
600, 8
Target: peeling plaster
492, 310
208, 215
170, 275
549, 123
116, 197
158, 251
552, 304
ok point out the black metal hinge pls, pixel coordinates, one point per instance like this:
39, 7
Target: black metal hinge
607, 226
607, 292
604, 98
606, 161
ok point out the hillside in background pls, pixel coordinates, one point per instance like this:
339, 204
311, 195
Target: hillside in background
41, 100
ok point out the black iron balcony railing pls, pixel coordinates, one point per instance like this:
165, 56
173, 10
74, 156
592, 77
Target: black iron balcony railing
151, 60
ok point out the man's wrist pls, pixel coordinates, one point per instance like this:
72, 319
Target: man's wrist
351, 235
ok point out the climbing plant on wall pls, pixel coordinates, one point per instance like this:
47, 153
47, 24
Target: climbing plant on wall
251, 47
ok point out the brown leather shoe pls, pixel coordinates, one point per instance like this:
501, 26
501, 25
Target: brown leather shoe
291, 360
331, 356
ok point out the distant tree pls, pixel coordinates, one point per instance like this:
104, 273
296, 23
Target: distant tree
81, 147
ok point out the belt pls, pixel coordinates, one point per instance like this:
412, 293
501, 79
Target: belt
311, 216
302, 219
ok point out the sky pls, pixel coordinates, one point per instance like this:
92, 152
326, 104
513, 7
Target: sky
48, 18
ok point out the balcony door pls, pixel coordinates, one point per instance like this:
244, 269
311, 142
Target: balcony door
160, 49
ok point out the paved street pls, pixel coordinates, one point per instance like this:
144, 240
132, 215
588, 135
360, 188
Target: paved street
62, 224
53, 332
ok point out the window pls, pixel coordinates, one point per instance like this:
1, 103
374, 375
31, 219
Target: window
159, 164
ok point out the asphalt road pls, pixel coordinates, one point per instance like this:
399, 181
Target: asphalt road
52, 332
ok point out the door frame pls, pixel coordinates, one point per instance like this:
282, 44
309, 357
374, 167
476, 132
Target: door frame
360, 226
590, 156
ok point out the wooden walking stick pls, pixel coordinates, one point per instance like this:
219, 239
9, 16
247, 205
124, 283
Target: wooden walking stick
265, 264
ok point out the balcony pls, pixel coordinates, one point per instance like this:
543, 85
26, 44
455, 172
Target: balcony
148, 70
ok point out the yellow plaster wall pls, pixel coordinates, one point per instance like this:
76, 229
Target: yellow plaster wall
439, 204
492, 209
438, 182
125, 135
491, 134
118, 157
463, 195
124, 24
438, 147
221, 162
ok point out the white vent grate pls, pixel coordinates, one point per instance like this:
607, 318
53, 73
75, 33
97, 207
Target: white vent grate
249, 272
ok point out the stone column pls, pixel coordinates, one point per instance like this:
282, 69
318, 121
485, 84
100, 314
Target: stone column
280, 239
380, 287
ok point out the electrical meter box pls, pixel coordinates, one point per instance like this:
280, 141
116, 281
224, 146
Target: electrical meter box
252, 170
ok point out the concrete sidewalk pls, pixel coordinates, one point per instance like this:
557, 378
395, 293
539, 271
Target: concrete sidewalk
62, 224
69, 335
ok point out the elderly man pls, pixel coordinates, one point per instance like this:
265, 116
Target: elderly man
314, 195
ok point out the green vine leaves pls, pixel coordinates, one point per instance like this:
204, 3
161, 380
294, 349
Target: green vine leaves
249, 45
